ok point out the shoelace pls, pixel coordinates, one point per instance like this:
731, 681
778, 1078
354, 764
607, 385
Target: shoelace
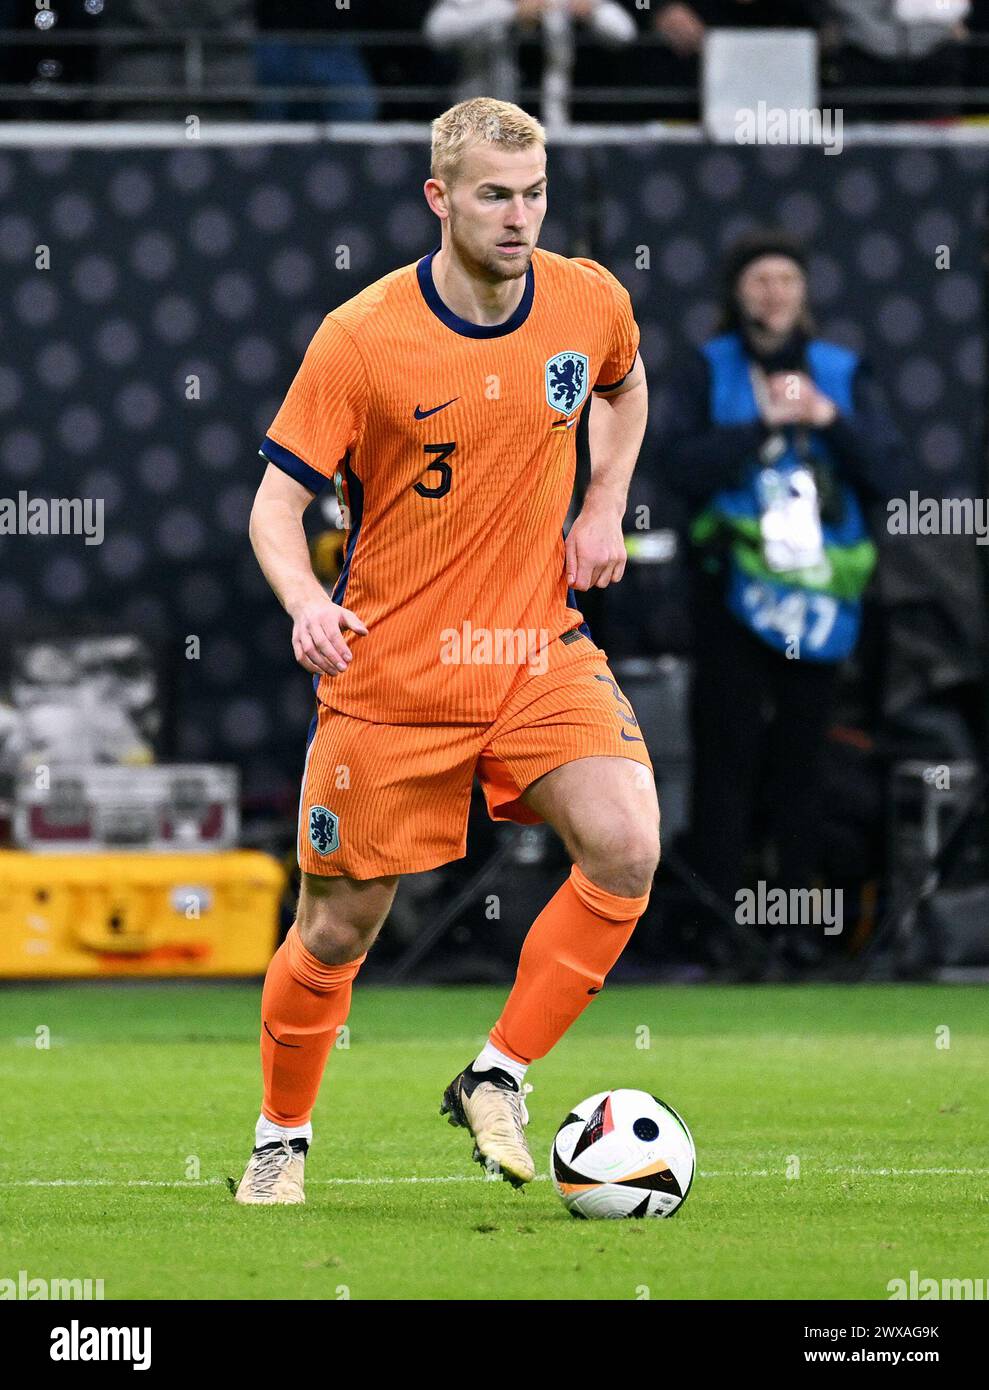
520, 1116
518, 1113
523, 1092
269, 1166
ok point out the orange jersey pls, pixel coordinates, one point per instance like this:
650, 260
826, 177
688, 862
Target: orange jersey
452, 448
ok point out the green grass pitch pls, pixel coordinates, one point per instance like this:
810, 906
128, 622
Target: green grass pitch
117, 1140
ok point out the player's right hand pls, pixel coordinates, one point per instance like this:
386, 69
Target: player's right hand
318, 626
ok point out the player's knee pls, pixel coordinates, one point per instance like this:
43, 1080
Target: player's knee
625, 862
333, 928
635, 873
332, 941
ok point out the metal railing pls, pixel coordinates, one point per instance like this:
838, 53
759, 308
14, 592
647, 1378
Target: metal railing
196, 46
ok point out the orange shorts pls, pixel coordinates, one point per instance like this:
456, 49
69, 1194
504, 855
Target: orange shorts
382, 799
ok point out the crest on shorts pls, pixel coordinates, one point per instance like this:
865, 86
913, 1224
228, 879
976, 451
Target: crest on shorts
324, 834
566, 381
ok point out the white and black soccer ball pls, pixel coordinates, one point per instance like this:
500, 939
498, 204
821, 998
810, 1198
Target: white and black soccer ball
622, 1153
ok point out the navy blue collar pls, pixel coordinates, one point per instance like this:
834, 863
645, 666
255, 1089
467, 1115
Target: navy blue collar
424, 271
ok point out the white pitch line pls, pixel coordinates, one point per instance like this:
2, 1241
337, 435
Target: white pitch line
476, 1178
219, 1182
910, 1172
851, 1173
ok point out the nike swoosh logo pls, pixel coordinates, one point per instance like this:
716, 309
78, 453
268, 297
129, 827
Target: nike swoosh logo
278, 1040
420, 414
629, 738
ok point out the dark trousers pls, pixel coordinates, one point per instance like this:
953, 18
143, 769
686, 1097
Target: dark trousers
759, 722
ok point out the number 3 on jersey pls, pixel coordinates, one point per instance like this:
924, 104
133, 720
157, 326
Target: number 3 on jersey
440, 466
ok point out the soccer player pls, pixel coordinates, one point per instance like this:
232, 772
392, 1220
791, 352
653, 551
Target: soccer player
442, 403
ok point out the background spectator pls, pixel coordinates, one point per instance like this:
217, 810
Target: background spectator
775, 440
485, 34
873, 43
667, 58
683, 25
282, 63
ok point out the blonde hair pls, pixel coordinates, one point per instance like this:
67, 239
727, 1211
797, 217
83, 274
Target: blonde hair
480, 121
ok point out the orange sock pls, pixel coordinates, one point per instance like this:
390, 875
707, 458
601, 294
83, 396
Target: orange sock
303, 1004
570, 948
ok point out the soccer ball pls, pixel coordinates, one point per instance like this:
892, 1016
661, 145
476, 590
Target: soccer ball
622, 1153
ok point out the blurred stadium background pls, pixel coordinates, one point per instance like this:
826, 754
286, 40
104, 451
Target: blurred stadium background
186, 189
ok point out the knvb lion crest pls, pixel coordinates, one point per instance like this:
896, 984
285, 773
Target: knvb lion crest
324, 835
566, 381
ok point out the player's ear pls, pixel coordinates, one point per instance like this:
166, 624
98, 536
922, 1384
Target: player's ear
435, 191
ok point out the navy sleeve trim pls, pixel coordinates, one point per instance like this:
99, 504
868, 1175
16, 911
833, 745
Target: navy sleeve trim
292, 465
614, 385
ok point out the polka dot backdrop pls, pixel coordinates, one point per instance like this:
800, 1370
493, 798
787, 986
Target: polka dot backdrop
185, 284
873, 220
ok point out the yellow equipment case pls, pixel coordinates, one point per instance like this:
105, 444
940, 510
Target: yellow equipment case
106, 915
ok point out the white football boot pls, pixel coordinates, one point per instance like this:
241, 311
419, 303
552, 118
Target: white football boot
491, 1105
275, 1175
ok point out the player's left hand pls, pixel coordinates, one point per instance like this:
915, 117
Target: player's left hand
595, 549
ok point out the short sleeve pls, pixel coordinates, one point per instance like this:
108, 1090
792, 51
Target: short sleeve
322, 415
623, 340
